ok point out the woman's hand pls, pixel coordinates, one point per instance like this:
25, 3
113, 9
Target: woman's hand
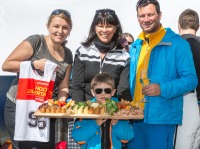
39, 64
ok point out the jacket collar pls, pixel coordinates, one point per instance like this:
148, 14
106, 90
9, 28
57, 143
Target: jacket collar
167, 39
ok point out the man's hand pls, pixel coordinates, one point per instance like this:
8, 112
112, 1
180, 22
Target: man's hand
151, 90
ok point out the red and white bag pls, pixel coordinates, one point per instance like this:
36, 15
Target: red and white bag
33, 90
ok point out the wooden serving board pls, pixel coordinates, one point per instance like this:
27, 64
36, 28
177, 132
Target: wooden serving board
92, 116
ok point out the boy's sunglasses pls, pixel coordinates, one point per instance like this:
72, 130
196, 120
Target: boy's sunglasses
105, 11
59, 11
100, 90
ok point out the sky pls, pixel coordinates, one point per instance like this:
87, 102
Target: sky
22, 18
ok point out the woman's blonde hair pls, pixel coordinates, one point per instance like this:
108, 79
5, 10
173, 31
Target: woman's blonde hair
64, 14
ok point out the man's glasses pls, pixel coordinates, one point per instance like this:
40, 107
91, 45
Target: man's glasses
100, 90
59, 11
105, 11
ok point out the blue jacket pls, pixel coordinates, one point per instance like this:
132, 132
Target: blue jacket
89, 132
171, 66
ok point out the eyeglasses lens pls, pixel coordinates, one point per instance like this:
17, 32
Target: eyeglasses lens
100, 90
58, 11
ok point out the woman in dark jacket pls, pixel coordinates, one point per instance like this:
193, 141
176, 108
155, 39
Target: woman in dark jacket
101, 52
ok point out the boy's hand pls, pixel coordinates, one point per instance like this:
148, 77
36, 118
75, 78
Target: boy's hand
114, 121
100, 121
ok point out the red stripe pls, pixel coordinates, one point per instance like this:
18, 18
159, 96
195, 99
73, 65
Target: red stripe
30, 89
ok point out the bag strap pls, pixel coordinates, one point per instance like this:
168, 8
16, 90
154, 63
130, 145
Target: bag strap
49, 67
39, 47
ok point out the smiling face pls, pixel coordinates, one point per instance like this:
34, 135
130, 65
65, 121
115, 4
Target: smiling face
102, 91
58, 29
105, 32
148, 18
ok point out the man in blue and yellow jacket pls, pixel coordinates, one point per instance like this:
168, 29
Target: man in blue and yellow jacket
169, 63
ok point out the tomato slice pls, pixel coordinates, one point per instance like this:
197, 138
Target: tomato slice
63, 103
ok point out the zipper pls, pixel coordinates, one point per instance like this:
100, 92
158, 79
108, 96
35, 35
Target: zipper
102, 63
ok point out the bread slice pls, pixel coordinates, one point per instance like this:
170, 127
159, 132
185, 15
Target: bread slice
91, 110
42, 108
63, 109
53, 109
48, 109
85, 110
75, 109
58, 109
97, 110
102, 110
69, 110
80, 110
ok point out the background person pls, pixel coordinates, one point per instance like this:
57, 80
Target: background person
188, 134
127, 40
38, 49
102, 87
169, 63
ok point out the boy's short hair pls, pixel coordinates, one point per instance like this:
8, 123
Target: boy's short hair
102, 78
189, 19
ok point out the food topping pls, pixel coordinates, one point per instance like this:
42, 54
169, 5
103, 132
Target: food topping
110, 107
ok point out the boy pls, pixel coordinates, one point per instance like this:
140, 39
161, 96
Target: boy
88, 131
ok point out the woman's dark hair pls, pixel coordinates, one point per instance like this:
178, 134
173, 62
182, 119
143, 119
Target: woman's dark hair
104, 16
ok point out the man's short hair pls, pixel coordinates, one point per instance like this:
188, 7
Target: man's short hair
189, 19
143, 3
